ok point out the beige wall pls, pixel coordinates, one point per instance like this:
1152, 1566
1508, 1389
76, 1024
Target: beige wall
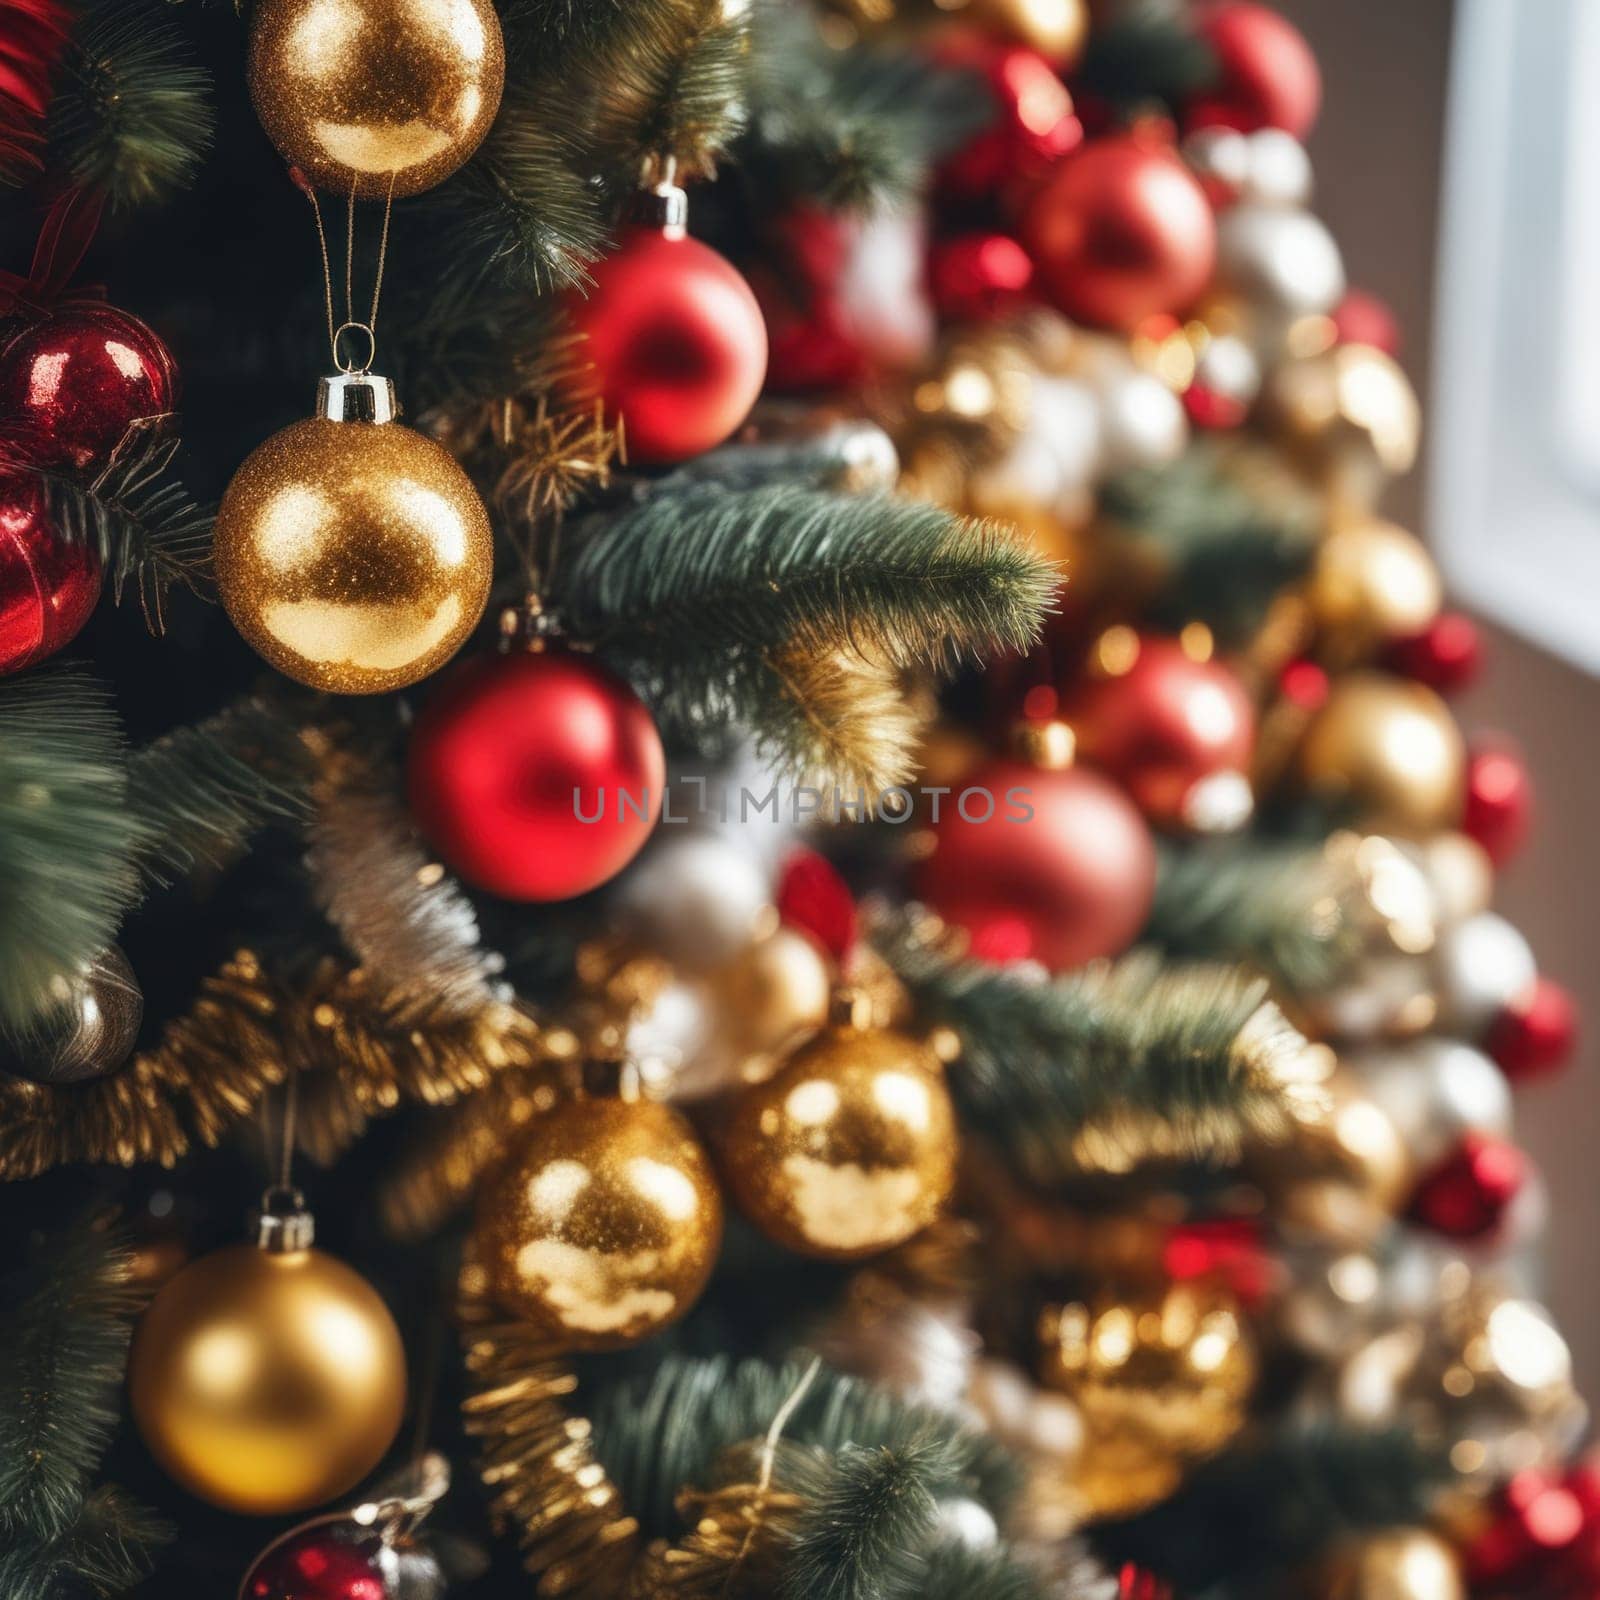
1377, 159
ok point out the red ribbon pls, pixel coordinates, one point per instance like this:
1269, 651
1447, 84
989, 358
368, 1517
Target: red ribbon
64, 239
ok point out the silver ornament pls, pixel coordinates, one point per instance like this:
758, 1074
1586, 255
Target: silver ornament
1434, 1090
1483, 965
966, 1522
1221, 157
1142, 422
1283, 262
1278, 170
86, 1029
696, 898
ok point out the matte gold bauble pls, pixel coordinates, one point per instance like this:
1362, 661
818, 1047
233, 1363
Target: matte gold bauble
354, 556
376, 96
1389, 751
850, 1149
1401, 1564
1373, 582
1159, 1379
267, 1381
1057, 29
603, 1224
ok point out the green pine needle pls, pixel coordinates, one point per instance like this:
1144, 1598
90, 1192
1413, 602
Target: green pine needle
64, 1327
708, 570
867, 1518
1274, 1505
131, 115
104, 1549
1192, 1051
656, 1434
1146, 52
68, 839
956, 1571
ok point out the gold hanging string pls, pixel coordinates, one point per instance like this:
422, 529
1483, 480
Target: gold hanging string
351, 322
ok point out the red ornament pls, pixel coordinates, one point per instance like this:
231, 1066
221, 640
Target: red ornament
73, 382
1362, 318
33, 33
1468, 1193
1543, 1540
1177, 733
48, 587
1268, 77
328, 1561
1033, 124
1052, 864
979, 277
1499, 801
1536, 1034
537, 775
1446, 655
1138, 1583
676, 342
1120, 231
814, 898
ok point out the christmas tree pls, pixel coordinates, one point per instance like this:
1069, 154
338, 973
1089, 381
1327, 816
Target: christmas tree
772, 750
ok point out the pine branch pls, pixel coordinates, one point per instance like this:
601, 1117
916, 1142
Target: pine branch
106, 1548
955, 1571
131, 115
1099, 1070
1287, 909
143, 525
849, 129
866, 1522
200, 792
1146, 52
712, 571
68, 839
845, 456
658, 1433
1225, 531
1277, 1504
65, 1324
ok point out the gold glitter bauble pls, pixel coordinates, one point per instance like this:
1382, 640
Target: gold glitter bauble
1373, 582
376, 95
769, 998
267, 1381
603, 1225
354, 556
850, 1149
1389, 751
1401, 1564
1159, 1379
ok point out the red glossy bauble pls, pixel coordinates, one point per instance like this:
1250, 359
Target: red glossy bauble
676, 340
1268, 75
1535, 1035
75, 380
813, 897
1362, 318
1446, 655
1468, 1193
1033, 124
536, 775
48, 588
1498, 808
1052, 865
1177, 733
1542, 1539
336, 1561
979, 277
1119, 231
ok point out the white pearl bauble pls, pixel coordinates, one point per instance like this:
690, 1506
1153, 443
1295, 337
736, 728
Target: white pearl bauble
1278, 169
1434, 1090
1284, 262
1483, 965
1142, 421
696, 898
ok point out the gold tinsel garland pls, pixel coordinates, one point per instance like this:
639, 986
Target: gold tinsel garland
360, 1053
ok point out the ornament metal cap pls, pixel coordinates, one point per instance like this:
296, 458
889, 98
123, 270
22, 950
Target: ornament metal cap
663, 205
356, 397
283, 1225
1051, 746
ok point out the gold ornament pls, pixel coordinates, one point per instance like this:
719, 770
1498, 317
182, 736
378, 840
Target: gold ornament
269, 1377
1389, 750
1483, 1375
1160, 1380
1057, 29
355, 556
603, 1224
766, 1001
376, 97
1351, 416
851, 1148
1373, 582
1402, 1564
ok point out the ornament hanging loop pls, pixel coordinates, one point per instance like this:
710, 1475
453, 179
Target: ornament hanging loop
346, 365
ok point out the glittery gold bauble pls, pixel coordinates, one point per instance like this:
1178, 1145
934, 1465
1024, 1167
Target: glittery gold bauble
1352, 418
1482, 1375
1159, 1379
850, 1149
354, 556
768, 999
1401, 1564
602, 1225
376, 95
1372, 582
1389, 751
267, 1381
